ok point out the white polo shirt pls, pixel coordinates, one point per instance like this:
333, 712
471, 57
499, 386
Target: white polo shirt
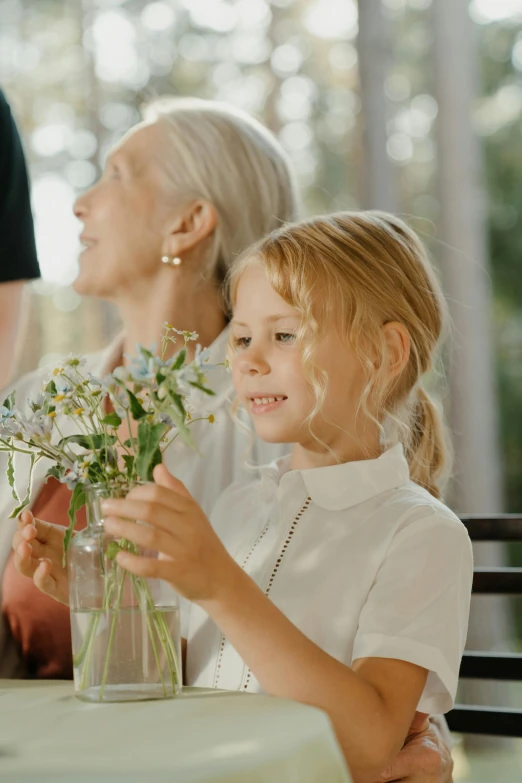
362, 560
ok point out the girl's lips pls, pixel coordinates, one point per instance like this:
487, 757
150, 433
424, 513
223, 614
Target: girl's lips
260, 405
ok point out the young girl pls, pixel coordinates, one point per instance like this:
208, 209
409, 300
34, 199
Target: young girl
339, 578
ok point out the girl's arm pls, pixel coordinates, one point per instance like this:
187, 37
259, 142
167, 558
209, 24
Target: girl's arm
371, 704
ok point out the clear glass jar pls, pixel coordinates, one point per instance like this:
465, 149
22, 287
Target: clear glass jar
125, 629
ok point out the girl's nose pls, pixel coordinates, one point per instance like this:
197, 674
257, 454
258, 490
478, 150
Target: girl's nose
251, 362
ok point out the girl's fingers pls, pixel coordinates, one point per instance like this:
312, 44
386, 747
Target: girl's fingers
147, 537
163, 478
52, 553
155, 514
145, 566
155, 493
50, 546
25, 518
24, 534
49, 583
23, 560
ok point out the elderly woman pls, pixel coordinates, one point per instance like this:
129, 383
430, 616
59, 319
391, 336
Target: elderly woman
181, 195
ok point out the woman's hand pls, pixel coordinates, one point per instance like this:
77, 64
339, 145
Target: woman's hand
192, 558
38, 553
425, 758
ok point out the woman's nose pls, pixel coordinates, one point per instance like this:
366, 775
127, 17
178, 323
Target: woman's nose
80, 207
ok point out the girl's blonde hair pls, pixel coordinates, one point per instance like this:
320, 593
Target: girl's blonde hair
365, 269
215, 152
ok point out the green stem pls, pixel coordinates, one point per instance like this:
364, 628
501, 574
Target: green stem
136, 587
115, 610
164, 635
80, 655
174, 653
84, 681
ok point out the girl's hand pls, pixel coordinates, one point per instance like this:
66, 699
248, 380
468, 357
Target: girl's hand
38, 552
192, 558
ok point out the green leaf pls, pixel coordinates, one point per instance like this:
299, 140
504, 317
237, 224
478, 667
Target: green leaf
112, 420
11, 476
130, 443
56, 471
129, 463
91, 442
51, 388
76, 503
25, 502
9, 401
202, 388
149, 454
137, 409
112, 550
178, 400
180, 360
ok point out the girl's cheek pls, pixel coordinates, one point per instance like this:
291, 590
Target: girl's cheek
236, 374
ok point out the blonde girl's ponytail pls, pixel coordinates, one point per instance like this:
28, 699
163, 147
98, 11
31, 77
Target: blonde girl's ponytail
426, 447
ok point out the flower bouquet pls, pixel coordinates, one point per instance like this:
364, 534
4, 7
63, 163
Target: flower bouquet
125, 629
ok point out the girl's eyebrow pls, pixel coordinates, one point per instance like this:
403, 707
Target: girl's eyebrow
270, 319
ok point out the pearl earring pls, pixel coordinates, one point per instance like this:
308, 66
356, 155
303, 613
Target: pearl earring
171, 260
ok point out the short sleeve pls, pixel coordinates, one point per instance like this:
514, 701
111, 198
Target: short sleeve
418, 607
18, 259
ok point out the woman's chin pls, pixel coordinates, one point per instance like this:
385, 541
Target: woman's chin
86, 284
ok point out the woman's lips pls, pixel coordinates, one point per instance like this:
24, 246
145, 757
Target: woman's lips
86, 243
266, 403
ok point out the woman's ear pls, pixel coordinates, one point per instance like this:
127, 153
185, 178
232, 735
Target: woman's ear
190, 229
398, 342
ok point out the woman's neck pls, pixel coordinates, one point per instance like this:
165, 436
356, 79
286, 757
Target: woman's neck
196, 309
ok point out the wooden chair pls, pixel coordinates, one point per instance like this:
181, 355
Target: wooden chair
487, 665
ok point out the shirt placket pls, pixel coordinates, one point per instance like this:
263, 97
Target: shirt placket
262, 562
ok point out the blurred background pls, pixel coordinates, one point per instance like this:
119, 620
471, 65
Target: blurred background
409, 105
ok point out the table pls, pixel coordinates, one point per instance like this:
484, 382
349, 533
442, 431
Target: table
204, 736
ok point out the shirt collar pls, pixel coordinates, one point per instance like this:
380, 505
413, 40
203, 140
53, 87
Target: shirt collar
337, 487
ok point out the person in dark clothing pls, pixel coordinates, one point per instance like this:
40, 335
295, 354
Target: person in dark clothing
18, 259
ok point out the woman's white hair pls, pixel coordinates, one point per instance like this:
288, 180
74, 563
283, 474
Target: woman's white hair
222, 155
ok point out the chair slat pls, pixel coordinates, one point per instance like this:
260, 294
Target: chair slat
485, 720
498, 580
502, 527
491, 666
471, 719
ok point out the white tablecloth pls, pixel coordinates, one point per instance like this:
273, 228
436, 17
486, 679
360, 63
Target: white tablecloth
46, 734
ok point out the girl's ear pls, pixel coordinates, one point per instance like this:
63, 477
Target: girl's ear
398, 343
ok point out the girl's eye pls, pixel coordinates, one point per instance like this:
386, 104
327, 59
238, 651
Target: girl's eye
242, 342
285, 337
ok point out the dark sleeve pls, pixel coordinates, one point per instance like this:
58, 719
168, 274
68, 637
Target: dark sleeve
18, 260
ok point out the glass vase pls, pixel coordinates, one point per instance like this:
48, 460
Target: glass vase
125, 629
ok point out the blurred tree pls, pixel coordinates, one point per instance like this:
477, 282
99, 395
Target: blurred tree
237, 50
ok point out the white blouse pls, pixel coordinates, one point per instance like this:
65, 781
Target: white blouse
362, 560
